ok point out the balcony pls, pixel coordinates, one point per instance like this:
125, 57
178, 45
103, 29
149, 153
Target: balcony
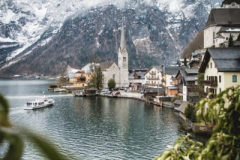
211, 83
153, 73
153, 78
151, 84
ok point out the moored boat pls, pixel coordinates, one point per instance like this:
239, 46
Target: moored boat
39, 103
60, 90
79, 93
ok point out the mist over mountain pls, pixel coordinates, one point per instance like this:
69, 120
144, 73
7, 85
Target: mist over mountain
44, 37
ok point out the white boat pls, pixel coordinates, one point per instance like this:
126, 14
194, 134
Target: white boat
79, 93
39, 103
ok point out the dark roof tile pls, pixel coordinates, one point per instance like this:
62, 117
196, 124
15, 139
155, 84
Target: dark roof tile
225, 59
224, 17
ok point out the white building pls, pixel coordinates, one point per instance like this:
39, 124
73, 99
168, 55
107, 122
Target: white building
153, 77
170, 73
123, 61
110, 70
137, 77
223, 22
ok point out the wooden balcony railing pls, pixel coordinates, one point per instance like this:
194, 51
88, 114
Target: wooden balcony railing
153, 73
151, 84
152, 78
211, 83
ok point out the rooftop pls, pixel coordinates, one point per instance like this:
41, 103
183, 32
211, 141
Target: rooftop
224, 17
105, 65
225, 59
173, 70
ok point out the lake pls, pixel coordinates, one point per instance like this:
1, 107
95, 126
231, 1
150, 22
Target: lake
90, 128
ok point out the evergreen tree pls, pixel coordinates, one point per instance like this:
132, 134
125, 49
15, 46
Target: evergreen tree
97, 79
111, 84
200, 81
230, 41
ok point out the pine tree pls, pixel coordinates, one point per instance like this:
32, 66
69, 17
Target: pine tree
97, 79
230, 41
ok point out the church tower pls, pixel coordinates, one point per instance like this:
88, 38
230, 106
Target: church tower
123, 61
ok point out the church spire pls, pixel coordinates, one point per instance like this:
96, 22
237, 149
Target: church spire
123, 40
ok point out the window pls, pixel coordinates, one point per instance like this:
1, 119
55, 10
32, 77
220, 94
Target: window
220, 79
124, 58
220, 90
234, 78
207, 77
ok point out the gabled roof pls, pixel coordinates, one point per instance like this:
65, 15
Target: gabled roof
229, 2
88, 67
131, 75
191, 70
159, 68
105, 65
173, 70
191, 78
225, 59
71, 70
224, 17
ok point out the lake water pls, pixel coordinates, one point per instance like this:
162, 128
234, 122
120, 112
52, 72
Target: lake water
96, 128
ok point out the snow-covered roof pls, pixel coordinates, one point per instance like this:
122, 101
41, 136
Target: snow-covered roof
71, 70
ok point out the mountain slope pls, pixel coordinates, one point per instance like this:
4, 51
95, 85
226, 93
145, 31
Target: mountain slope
154, 36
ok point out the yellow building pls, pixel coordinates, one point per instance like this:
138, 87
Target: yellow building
80, 79
221, 68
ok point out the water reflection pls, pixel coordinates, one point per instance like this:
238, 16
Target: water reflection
95, 127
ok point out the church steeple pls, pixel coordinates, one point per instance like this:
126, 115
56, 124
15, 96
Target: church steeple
123, 60
123, 40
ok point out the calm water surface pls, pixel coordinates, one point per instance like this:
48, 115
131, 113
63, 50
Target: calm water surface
92, 128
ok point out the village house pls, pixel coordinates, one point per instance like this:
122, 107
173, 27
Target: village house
220, 64
78, 78
171, 87
153, 77
136, 78
223, 25
186, 80
196, 58
221, 68
187, 77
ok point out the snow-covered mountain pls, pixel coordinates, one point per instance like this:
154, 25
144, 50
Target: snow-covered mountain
158, 30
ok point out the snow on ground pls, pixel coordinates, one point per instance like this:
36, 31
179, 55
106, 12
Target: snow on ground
9, 16
6, 40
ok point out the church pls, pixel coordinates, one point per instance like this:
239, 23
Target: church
118, 72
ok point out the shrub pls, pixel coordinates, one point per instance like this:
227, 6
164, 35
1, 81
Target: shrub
190, 113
